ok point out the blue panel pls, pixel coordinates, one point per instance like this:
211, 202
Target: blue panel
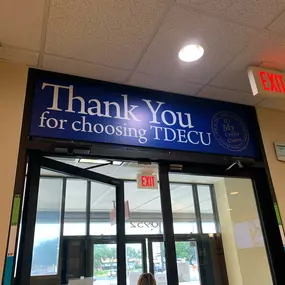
96, 111
8, 270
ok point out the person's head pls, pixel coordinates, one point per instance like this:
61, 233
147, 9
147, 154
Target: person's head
146, 279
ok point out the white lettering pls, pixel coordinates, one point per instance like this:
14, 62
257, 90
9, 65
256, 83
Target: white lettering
190, 139
202, 139
97, 108
52, 123
154, 112
42, 118
189, 121
107, 109
172, 114
127, 111
166, 133
56, 94
71, 99
74, 127
181, 135
156, 132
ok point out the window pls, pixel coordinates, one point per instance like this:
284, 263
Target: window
206, 209
102, 209
75, 208
47, 229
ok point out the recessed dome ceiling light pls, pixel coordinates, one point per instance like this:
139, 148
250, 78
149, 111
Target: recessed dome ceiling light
191, 53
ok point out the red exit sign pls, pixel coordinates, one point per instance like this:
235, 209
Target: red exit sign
266, 82
146, 181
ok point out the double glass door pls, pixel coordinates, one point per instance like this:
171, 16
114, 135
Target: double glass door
89, 223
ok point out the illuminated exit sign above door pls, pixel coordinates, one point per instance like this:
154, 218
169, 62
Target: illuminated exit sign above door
146, 181
266, 82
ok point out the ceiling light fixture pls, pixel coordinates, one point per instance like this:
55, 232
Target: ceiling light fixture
99, 161
191, 53
234, 193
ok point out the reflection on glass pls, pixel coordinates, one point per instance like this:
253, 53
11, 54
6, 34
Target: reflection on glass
206, 209
187, 263
75, 208
159, 263
145, 210
134, 263
47, 228
183, 209
105, 264
102, 209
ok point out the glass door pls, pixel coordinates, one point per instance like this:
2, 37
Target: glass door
188, 264
157, 259
136, 260
47, 214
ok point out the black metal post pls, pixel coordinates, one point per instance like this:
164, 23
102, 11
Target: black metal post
169, 241
197, 208
28, 221
270, 228
121, 239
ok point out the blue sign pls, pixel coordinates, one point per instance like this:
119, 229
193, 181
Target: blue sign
83, 110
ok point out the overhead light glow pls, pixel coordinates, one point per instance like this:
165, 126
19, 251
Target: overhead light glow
99, 161
234, 193
191, 53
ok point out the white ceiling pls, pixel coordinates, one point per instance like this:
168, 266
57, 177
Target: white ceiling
136, 42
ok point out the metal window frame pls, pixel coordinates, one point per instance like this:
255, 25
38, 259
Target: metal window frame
36, 162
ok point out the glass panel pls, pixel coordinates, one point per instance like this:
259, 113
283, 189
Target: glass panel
75, 208
105, 264
102, 205
159, 263
206, 209
182, 202
47, 228
134, 262
187, 263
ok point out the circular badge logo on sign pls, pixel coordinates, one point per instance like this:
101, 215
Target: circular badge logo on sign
230, 131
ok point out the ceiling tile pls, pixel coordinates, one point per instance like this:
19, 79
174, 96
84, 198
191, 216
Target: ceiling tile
229, 96
164, 84
17, 55
21, 23
253, 12
109, 32
278, 25
264, 49
221, 41
89, 70
273, 103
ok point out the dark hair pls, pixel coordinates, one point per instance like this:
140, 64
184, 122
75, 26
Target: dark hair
146, 279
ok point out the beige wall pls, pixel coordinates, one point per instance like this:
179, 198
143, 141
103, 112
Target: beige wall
245, 254
13, 79
272, 128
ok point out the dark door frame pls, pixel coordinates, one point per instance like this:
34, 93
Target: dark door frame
36, 162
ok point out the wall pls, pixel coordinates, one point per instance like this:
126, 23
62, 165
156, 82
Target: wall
13, 79
230, 250
272, 128
245, 254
